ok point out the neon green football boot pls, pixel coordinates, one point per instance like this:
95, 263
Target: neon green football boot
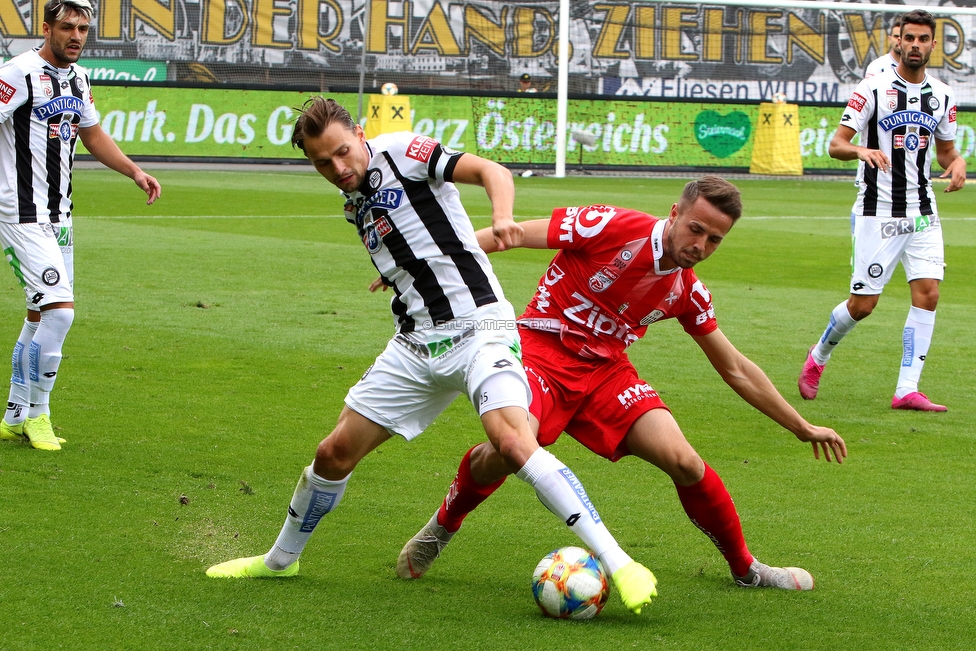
252, 567
636, 585
41, 434
11, 432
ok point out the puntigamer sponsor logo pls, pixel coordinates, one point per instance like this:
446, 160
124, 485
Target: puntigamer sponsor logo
59, 105
902, 118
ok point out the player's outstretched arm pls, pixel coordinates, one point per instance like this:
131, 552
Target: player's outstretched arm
534, 236
498, 184
953, 164
753, 386
103, 148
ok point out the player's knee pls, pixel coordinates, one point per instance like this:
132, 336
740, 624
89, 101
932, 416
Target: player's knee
334, 459
860, 307
487, 465
687, 468
58, 320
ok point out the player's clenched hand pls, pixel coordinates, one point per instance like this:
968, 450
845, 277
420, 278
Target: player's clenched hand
874, 158
506, 232
149, 185
826, 439
956, 170
376, 284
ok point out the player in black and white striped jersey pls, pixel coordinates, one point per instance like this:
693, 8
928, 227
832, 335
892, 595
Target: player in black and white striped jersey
456, 333
46, 104
904, 118
428, 254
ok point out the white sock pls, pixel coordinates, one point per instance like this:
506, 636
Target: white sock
313, 498
841, 323
564, 495
45, 357
915, 341
19, 378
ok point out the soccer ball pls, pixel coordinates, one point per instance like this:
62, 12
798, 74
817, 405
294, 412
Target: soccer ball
389, 88
779, 98
570, 583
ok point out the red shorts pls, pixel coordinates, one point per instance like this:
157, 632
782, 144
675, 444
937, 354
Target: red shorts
593, 400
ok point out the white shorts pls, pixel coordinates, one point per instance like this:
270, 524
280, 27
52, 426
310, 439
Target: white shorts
35, 256
880, 243
419, 374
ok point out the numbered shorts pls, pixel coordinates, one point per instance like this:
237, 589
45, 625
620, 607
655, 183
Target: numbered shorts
880, 243
410, 383
594, 401
35, 256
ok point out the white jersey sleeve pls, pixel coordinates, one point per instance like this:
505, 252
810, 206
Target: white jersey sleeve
859, 107
13, 90
89, 116
417, 157
947, 125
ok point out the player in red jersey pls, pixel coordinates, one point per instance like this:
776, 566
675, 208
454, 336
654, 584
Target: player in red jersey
617, 271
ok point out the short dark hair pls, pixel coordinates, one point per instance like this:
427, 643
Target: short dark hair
55, 10
716, 191
316, 114
895, 23
919, 17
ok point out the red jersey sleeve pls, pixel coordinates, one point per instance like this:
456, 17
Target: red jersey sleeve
697, 316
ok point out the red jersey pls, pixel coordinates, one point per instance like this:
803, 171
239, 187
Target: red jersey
605, 287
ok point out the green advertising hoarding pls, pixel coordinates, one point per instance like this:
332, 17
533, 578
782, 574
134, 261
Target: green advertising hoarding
256, 124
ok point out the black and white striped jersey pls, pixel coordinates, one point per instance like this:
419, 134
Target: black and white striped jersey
410, 218
41, 109
903, 120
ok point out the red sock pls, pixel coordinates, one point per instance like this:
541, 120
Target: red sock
710, 508
464, 496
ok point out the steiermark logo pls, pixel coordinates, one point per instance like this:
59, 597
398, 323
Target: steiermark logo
722, 135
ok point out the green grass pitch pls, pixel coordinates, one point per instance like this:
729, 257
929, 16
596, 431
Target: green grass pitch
215, 337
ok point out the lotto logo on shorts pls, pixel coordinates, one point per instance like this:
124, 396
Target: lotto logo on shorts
857, 102
7, 92
421, 148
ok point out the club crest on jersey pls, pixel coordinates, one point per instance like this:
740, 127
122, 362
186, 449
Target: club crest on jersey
58, 106
371, 238
933, 102
908, 118
374, 179
420, 148
911, 141
64, 130
652, 317
7, 92
46, 86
